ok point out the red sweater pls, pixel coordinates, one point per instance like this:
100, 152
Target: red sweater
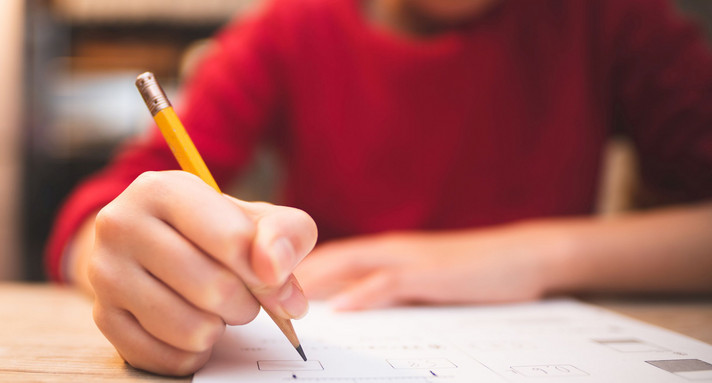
502, 120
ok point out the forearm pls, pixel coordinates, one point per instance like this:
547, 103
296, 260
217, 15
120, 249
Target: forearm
666, 250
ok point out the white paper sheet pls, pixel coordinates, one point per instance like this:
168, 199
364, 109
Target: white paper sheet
552, 341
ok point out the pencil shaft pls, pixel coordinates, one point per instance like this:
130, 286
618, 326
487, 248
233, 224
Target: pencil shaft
182, 146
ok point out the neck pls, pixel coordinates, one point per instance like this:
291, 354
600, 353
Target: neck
400, 17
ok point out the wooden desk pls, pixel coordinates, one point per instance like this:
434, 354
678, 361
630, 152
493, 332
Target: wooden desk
47, 334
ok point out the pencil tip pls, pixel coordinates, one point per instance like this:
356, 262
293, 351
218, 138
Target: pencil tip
301, 352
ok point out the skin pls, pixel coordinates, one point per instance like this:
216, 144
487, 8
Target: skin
201, 260
667, 250
424, 18
172, 262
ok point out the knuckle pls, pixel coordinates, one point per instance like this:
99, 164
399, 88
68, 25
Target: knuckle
100, 318
155, 185
235, 237
149, 180
176, 363
202, 333
188, 363
237, 230
262, 205
101, 275
159, 182
108, 221
221, 293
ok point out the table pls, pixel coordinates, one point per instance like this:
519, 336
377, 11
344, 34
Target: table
47, 333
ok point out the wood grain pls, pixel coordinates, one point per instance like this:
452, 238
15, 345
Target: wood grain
47, 335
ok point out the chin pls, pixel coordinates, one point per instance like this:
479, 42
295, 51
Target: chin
451, 11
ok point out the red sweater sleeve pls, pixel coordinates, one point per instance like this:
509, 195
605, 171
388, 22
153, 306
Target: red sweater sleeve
228, 107
663, 82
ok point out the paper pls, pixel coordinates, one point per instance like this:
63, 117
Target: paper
552, 341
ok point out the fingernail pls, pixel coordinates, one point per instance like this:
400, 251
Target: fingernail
293, 301
282, 256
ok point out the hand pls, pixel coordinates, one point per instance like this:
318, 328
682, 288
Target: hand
174, 262
510, 263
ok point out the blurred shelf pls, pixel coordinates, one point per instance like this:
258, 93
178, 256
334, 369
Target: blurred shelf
154, 11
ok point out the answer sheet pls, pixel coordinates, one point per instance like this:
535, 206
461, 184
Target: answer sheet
554, 341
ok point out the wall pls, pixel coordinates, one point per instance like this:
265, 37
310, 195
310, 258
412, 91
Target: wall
11, 38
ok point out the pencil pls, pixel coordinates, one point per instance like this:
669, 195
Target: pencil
190, 161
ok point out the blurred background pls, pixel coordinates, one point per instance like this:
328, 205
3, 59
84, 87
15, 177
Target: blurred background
67, 99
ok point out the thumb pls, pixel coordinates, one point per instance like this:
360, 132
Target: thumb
283, 237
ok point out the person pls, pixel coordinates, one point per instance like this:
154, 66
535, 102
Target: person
447, 150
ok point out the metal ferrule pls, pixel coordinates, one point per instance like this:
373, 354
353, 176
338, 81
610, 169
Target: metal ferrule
152, 93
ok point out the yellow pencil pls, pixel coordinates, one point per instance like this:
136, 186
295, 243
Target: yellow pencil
189, 159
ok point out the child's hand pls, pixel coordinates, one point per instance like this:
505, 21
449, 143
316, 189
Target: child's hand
174, 262
512, 263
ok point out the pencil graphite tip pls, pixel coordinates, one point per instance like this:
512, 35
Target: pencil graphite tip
301, 352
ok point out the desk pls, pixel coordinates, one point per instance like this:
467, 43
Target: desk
47, 334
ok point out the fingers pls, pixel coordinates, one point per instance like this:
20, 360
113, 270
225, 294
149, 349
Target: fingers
260, 242
198, 213
158, 309
322, 275
377, 290
141, 350
194, 275
348, 278
174, 261
366, 272
333, 266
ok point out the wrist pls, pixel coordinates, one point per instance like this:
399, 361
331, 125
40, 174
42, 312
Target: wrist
560, 265
75, 259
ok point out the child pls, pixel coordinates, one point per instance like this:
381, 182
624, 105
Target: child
448, 151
